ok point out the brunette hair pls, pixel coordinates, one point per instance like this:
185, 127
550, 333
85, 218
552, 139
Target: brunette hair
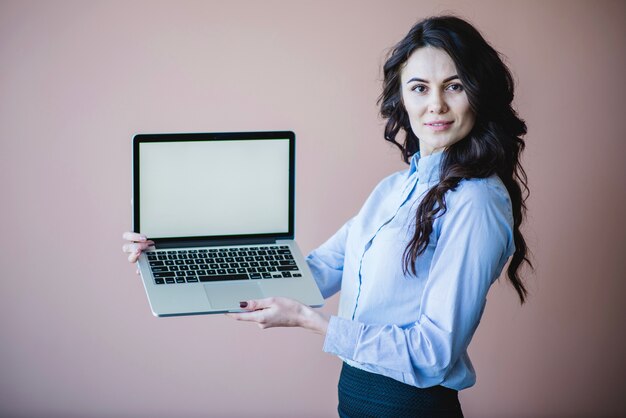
492, 147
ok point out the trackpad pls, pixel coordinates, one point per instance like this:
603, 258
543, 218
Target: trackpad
227, 296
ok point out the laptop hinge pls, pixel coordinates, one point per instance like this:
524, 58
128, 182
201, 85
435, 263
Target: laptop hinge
159, 244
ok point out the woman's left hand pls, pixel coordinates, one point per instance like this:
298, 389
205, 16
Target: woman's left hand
281, 312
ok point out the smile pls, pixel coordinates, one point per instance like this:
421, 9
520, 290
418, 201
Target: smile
439, 125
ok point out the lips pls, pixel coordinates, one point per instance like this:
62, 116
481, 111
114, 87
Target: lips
439, 123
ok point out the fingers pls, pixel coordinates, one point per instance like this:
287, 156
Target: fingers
137, 244
134, 236
133, 247
261, 317
257, 304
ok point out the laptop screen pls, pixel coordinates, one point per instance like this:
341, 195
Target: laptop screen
218, 187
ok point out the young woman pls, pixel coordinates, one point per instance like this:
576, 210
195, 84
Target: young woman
415, 264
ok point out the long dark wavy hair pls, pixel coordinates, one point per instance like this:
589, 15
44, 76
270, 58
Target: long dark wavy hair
494, 144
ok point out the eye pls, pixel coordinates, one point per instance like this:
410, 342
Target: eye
420, 88
457, 87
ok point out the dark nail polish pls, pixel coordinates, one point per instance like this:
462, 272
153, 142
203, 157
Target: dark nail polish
243, 304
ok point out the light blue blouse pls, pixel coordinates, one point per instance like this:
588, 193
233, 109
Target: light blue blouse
415, 328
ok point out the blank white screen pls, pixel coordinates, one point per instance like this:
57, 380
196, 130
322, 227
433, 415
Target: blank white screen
211, 188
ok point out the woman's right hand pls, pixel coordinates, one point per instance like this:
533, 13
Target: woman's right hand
135, 244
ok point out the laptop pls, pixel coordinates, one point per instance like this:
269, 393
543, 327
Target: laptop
220, 209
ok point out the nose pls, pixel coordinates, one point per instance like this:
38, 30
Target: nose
437, 104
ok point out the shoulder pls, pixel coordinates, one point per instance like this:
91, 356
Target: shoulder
480, 195
391, 183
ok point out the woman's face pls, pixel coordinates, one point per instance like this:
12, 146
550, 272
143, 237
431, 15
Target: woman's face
435, 100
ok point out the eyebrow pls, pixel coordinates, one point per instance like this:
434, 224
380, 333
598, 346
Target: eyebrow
426, 81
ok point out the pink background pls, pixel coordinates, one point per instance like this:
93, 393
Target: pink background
79, 78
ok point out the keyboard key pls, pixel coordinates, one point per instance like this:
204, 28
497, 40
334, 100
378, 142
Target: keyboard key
192, 280
169, 280
159, 281
255, 275
180, 280
156, 263
297, 275
286, 274
287, 268
164, 274
266, 275
224, 277
160, 269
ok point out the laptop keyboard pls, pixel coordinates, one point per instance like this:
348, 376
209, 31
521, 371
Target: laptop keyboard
222, 264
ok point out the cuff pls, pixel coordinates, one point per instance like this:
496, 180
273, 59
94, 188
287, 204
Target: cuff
342, 336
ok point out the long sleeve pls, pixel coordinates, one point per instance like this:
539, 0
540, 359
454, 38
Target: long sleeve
327, 261
469, 247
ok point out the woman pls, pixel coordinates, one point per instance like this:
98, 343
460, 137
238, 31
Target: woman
415, 264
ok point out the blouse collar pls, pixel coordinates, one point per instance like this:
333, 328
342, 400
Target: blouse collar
428, 168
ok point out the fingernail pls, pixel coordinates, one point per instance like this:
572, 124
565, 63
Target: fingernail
243, 304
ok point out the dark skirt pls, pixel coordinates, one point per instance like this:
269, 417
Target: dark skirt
365, 394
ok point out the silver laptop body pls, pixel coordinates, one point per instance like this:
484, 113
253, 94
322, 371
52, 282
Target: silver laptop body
220, 209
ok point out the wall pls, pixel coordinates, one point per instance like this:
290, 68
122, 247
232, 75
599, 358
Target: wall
78, 79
